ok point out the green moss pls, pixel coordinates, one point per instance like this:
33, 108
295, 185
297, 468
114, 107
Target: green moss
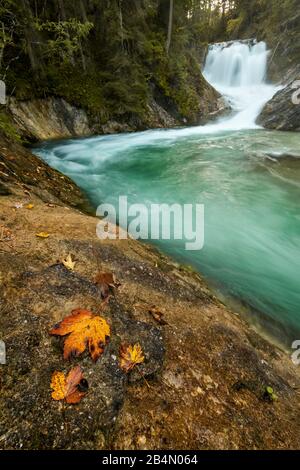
234, 25
7, 128
180, 79
269, 394
101, 94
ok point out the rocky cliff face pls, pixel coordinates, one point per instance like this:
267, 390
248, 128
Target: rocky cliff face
42, 119
23, 170
283, 37
55, 118
282, 112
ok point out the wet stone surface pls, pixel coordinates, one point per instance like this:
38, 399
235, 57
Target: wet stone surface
34, 302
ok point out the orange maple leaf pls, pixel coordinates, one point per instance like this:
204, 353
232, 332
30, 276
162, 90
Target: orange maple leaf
130, 356
71, 388
84, 330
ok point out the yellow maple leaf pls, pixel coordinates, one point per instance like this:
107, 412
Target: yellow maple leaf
43, 235
84, 330
58, 384
68, 388
130, 356
69, 263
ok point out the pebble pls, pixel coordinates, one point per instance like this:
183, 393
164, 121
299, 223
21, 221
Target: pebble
142, 440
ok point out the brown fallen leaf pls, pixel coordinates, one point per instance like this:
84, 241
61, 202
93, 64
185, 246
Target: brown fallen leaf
42, 235
85, 330
106, 283
5, 234
130, 356
158, 315
71, 388
69, 263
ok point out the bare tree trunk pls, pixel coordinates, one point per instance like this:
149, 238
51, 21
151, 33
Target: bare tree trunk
223, 8
121, 22
83, 60
209, 11
3, 45
83, 11
85, 20
170, 26
62, 9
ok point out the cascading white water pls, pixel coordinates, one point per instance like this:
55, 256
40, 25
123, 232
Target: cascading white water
238, 71
236, 65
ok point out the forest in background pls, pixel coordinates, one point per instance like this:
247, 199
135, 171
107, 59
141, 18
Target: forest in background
110, 56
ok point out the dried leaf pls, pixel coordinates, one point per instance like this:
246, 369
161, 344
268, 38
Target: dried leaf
5, 234
71, 388
84, 330
106, 282
130, 356
43, 235
69, 263
158, 315
30, 206
58, 385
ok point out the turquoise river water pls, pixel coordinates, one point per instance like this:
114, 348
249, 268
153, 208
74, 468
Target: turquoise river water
249, 182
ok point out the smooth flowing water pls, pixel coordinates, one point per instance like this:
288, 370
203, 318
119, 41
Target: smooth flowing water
247, 178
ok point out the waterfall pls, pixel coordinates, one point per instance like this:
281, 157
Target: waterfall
238, 71
239, 64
